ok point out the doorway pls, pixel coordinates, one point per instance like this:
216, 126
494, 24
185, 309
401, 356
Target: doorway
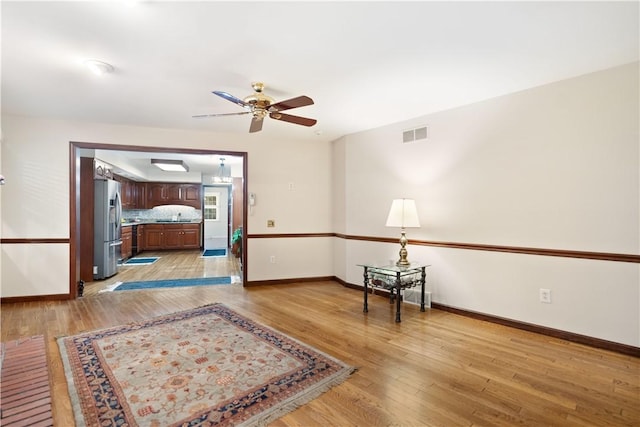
216, 215
80, 149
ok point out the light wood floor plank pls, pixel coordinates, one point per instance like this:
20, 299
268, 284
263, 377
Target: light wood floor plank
433, 369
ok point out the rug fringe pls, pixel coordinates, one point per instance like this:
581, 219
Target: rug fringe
73, 393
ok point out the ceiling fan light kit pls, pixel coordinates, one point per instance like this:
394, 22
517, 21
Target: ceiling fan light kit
260, 106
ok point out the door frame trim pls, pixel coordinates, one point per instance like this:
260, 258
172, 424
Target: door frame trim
74, 197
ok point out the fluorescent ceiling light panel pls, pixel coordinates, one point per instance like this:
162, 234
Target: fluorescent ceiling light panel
170, 165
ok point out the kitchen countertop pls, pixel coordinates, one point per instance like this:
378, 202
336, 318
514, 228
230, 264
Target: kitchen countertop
158, 221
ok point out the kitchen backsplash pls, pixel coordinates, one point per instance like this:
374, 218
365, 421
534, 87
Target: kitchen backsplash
163, 213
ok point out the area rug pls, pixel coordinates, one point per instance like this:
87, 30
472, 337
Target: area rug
209, 366
140, 261
214, 252
170, 283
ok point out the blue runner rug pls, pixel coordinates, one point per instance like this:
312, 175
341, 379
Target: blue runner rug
173, 283
140, 261
214, 252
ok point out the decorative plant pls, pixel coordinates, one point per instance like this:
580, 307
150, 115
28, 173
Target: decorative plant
236, 241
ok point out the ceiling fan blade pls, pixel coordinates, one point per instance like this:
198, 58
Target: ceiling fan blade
300, 101
202, 116
232, 98
293, 119
256, 124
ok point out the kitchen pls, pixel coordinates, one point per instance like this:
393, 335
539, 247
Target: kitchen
155, 213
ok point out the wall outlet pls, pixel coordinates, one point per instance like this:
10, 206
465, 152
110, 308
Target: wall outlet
545, 296
271, 223
272, 259
95, 269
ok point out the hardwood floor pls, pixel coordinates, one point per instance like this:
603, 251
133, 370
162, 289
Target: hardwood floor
172, 265
433, 369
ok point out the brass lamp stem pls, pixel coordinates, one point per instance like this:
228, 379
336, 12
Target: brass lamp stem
403, 261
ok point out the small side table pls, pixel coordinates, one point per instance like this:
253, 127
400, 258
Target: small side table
394, 278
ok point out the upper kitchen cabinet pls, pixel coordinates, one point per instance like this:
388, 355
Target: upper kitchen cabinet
191, 194
174, 194
159, 193
129, 193
156, 194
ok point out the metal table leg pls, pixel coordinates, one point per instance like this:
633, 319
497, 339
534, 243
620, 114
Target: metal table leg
422, 280
366, 290
398, 285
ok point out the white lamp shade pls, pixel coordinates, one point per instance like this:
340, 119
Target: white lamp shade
403, 213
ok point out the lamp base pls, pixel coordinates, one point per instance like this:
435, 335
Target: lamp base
403, 261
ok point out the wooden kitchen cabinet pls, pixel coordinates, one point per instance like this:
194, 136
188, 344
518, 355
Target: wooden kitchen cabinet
127, 240
191, 236
156, 194
159, 193
191, 195
182, 236
141, 195
130, 193
174, 194
140, 242
172, 236
126, 193
153, 237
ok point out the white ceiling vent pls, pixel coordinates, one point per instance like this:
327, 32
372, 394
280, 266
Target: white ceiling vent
414, 134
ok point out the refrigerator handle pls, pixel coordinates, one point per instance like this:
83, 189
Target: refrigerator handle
118, 243
118, 210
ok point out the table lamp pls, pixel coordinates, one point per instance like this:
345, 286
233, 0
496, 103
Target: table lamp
403, 214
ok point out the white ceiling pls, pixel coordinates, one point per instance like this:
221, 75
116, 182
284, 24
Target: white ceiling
136, 165
365, 64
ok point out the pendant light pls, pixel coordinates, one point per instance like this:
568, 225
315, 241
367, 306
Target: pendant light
224, 174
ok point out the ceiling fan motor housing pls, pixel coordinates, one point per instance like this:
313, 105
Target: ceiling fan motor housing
259, 101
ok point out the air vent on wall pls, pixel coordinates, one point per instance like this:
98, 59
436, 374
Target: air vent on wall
414, 134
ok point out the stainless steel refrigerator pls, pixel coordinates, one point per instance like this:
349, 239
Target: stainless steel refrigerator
107, 242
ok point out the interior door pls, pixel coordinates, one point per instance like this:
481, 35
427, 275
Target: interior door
215, 213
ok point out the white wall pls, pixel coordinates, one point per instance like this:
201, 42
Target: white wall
338, 216
295, 257
35, 201
554, 167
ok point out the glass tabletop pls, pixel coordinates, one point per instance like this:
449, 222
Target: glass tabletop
392, 268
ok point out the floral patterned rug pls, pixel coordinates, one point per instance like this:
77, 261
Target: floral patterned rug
206, 366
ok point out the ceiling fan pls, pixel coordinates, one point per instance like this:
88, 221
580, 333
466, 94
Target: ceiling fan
260, 106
